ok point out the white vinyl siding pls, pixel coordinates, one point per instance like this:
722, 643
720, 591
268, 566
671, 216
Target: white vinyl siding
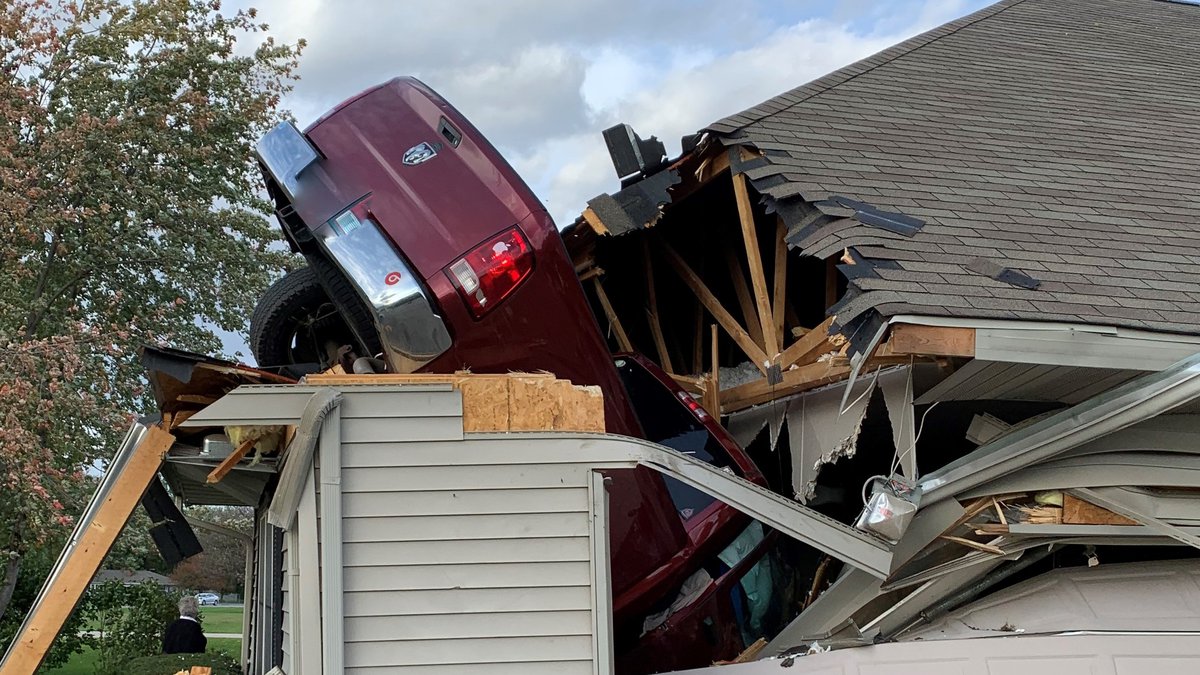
287, 609
461, 554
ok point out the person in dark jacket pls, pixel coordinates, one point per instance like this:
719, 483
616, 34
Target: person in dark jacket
184, 635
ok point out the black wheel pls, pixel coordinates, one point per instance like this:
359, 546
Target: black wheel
296, 323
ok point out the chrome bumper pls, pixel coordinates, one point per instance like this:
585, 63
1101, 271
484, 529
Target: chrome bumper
411, 332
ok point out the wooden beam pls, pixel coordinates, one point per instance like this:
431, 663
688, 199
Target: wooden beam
695, 385
758, 277
932, 340
712, 388
710, 302
745, 301
593, 220
84, 558
231, 461
614, 321
794, 381
779, 296
698, 339
810, 345
660, 343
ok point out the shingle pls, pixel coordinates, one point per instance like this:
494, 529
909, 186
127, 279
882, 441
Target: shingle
1059, 137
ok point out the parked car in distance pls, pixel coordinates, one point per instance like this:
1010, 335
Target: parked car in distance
426, 249
208, 599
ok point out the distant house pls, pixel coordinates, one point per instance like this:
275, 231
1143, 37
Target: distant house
133, 578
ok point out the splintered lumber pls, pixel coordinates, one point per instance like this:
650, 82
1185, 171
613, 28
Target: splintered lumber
614, 321
977, 545
758, 278
512, 402
82, 559
1076, 511
779, 296
660, 343
932, 340
714, 307
812, 344
745, 300
593, 220
231, 461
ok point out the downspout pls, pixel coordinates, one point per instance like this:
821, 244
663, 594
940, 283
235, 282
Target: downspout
331, 550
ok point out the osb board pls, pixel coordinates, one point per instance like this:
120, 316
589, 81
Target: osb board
514, 402
1078, 512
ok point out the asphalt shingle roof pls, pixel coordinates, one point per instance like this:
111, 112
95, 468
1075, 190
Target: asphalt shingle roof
1057, 138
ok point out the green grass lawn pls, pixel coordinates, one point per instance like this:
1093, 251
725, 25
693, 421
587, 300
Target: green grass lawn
222, 619
84, 664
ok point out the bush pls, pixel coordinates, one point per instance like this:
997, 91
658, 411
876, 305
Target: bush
169, 664
131, 620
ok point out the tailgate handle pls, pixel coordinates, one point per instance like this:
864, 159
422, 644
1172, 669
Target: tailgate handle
453, 136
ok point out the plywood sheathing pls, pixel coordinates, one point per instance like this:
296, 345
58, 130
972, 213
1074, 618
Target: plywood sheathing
513, 402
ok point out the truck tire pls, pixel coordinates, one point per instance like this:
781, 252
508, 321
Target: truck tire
296, 323
354, 311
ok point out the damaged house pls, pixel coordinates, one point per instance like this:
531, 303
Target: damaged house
979, 232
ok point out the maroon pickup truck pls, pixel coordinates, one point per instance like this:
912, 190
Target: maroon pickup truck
426, 250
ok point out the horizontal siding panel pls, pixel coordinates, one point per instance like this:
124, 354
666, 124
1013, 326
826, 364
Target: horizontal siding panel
468, 502
358, 405
372, 430
538, 668
471, 551
484, 451
469, 651
468, 601
487, 526
469, 575
453, 626
434, 478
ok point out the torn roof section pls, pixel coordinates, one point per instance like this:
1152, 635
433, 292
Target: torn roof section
1036, 160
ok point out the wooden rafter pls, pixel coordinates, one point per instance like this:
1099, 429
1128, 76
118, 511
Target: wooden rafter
758, 279
779, 296
810, 345
614, 321
660, 343
745, 300
714, 307
712, 388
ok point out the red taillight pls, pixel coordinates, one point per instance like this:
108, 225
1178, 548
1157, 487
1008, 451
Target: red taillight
492, 271
695, 408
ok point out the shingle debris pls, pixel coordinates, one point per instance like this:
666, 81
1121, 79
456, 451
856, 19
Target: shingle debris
1008, 275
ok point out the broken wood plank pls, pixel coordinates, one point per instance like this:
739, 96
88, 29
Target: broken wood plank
195, 398
814, 343
714, 307
795, 381
181, 417
745, 300
977, 545
1079, 512
614, 322
932, 340
660, 343
231, 461
779, 296
758, 279
82, 561
593, 220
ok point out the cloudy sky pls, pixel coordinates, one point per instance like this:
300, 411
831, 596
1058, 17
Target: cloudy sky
543, 78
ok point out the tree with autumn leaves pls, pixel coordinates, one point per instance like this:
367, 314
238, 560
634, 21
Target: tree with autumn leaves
130, 213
